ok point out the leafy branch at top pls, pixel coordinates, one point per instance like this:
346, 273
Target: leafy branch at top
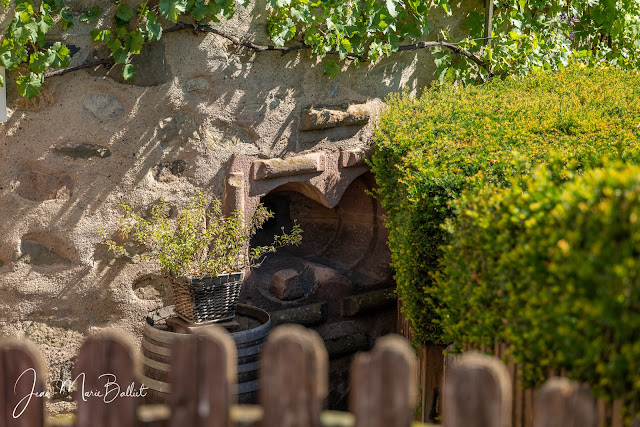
536, 34
24, 47
528, 34
356, 30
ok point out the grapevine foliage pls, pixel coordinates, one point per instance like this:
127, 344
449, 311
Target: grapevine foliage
25, 47
354, 29
528, 34
535, 34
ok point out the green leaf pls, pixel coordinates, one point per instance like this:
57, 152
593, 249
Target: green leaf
1, 81
91, 14
120, 56
128, 72
96, 34
153, 27
114, 44
121, 32
134, 42
331, 68
440, 58
171, 9
25, 6
67, 18
61, 55
40, 61
44, 23
104, 36
202, 11
125, 13
346, 45
30, 85
26, 32
11, 58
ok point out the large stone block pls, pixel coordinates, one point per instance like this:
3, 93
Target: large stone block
151, 66
177, 129
82, 151
323, 118
286, 285
104, 107
169, 171
39, 186
40, 254
197, 85
368, 302
311, 314
274, 168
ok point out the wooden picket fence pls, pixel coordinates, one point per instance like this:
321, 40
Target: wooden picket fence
477, 389
608, 413
293, 376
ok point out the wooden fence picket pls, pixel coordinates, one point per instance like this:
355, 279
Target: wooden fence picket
383, 391
21, 366
564, 403
203, 378
477, 392
105, 357
616, 414
293, 377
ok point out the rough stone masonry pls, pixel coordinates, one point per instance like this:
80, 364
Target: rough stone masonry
89, 142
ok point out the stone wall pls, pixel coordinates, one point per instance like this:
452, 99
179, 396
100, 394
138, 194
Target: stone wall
90, 142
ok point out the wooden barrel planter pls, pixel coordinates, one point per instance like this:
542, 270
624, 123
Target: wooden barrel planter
249, 336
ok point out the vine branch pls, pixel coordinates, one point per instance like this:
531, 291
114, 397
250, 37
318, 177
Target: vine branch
91, 64
203, 28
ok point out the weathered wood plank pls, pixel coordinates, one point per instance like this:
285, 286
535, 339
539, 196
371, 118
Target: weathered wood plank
203, 377
433, 371
382, 391
528, 408
293, 377
616, 414
517, 398
422, 372
602, 413
105, 368
512, 370
564, 403
477, 392
22, 372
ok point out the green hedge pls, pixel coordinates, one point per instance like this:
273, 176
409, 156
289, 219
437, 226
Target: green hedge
428, 149
553, 271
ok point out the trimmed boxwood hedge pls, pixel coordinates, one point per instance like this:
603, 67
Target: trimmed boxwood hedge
427, 150
553, 271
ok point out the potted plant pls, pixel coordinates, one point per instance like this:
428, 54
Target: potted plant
202, 251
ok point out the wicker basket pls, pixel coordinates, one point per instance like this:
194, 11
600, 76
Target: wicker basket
206, 299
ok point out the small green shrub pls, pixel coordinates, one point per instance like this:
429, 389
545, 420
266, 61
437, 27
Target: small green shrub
200, 241
428, 150
553, 271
